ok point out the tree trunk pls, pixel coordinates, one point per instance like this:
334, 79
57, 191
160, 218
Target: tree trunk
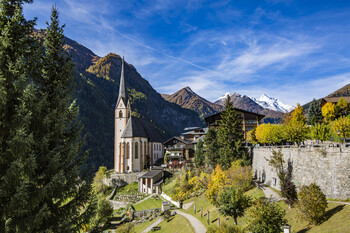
235, 219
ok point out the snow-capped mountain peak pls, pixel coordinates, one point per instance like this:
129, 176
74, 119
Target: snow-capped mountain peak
223, 97
272, 103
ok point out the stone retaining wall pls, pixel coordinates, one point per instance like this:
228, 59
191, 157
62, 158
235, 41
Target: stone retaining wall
326, 165
122, 179
117, 204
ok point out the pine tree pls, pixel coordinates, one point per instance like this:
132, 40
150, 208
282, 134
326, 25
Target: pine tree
17, 162
314, 113
211, 148
199, 154
230, 136
63, 189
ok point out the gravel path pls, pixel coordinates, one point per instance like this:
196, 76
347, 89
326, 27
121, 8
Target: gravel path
196, 224
153, 225
187, 205
269, 193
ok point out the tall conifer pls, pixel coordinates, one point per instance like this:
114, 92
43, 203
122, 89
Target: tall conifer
314, 115
230, 136
64, 192
211, 148
17, 161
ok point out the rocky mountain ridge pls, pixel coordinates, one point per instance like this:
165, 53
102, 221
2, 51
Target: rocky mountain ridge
187, 98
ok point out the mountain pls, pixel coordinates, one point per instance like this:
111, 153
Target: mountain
272, 103
246, 103
342, 92
187, 98
96, 91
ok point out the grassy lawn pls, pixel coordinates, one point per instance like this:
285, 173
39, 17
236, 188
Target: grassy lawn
214, 214
142, 226
150, 203
129, 189
337, 220
178, 224
255, 193
168, 188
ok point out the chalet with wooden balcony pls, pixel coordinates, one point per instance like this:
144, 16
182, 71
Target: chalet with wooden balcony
249, 120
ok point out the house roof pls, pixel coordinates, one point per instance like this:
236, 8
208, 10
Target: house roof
151, 174
336, 99
137, 127
195, 141
185, 141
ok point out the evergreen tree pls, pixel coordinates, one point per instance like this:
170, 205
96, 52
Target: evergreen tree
211, 148
63, 189
199, 154
17, 162
230, 136
314, 115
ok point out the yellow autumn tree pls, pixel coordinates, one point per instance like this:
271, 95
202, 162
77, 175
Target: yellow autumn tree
268, 133
217, 182
341, 126
295, 130
239, 176
328, 112
342, 108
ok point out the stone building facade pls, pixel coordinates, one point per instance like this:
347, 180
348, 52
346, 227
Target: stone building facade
328, 166
138, 144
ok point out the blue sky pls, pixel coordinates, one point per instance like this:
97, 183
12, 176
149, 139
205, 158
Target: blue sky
291, 50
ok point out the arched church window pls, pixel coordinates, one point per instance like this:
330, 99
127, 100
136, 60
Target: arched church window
120, 114
128, 114
127, 150
136, 150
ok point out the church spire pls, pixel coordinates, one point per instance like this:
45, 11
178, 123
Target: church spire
122, 88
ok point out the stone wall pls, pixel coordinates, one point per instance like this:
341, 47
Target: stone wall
123, 179
326, 165
117, 204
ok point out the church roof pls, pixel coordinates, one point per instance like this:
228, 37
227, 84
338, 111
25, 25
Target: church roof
122, 88
137, 127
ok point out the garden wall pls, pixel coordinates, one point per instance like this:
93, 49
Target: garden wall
123, 178
326, 165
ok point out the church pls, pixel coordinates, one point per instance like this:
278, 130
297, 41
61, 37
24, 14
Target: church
137, 143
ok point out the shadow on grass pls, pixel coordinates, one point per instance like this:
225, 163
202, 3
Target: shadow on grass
304, 230
331, 212
327, 216
169, 219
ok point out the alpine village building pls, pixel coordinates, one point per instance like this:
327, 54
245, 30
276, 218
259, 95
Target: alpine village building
249, 120
137, 143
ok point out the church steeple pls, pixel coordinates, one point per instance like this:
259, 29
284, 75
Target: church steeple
122, 88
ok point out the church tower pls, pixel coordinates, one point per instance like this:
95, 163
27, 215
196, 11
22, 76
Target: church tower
122, 114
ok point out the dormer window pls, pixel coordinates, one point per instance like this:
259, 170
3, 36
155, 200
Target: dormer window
120, 114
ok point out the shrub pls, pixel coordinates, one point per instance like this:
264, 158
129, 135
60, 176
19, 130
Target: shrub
126, 228
266, 217
224, 228
312, 203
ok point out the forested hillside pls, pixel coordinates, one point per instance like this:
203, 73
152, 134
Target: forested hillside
97, 86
